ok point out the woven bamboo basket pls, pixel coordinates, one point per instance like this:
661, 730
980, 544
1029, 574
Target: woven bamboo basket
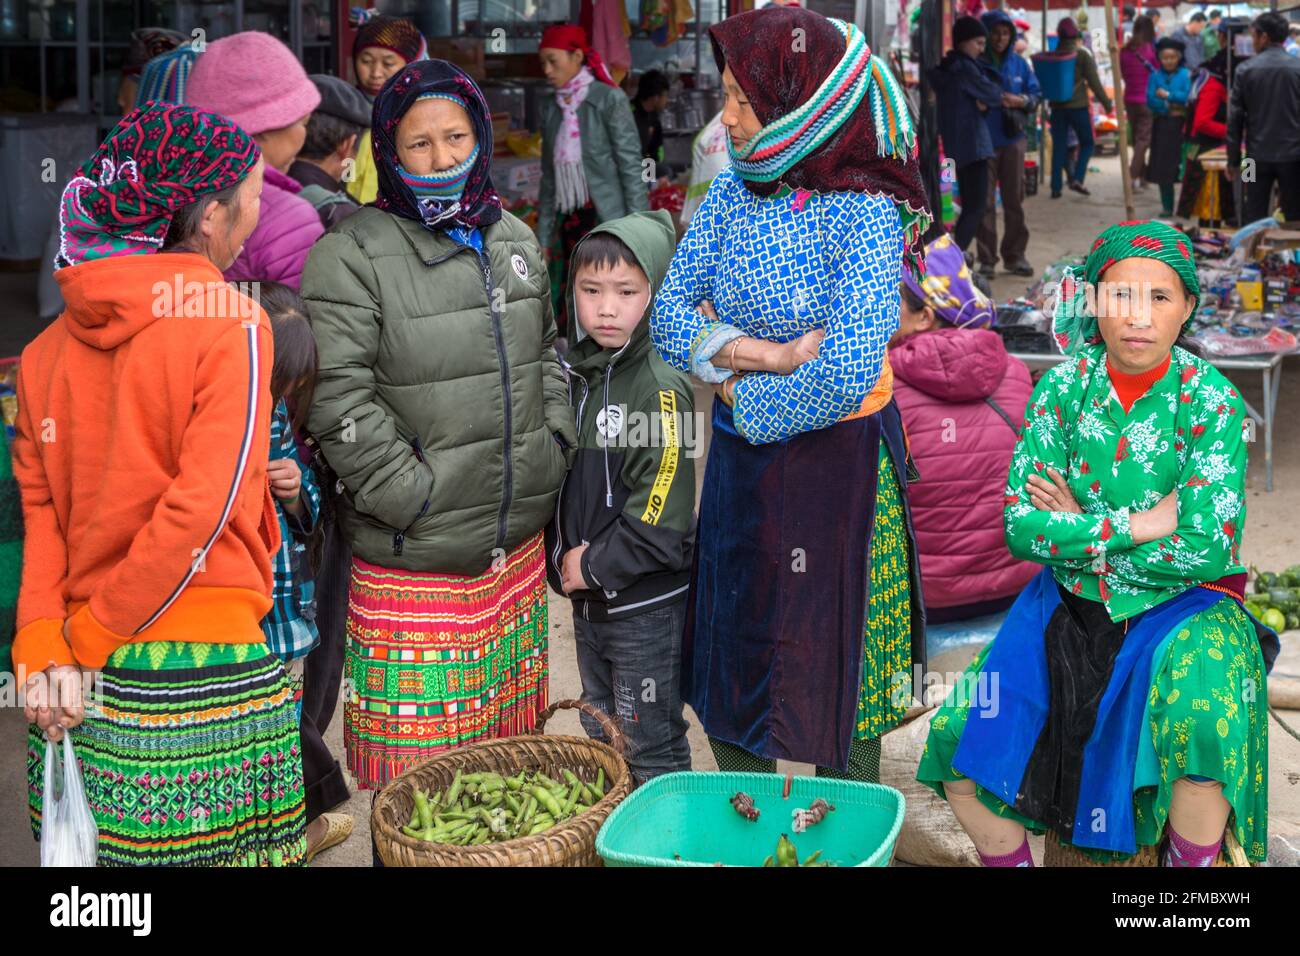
1056, 853
571, 843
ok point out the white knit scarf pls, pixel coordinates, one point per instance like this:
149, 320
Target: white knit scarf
570, 178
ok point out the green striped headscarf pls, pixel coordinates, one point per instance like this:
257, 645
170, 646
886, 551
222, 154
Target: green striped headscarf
1074, 324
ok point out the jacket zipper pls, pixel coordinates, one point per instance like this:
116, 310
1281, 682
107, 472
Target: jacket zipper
507, 489
609, 372
559, 528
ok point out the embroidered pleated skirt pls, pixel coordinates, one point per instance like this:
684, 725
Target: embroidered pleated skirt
190, 757
435, 661
1204, 715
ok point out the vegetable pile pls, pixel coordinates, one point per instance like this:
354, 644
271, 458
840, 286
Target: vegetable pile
487, 807
1276, 601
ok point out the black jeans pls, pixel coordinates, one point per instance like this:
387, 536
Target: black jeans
1260, 192
632, 670
973, 181
322, 777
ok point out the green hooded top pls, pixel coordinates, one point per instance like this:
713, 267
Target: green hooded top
631, 495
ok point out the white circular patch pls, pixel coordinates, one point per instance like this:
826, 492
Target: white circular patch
520, 267
609, 422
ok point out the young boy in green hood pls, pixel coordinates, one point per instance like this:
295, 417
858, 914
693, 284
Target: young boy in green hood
624, 531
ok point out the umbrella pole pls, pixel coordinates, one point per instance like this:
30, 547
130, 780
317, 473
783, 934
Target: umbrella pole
1042, 114
1117, 77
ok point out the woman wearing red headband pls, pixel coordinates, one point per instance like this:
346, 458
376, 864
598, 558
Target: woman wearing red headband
591, 151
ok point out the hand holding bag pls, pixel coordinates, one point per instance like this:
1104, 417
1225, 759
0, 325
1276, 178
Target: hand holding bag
69, 836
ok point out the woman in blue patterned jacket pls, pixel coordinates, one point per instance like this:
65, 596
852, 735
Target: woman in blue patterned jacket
783, 294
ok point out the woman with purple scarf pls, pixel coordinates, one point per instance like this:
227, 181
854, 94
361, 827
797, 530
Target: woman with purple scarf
441, 406
962, 398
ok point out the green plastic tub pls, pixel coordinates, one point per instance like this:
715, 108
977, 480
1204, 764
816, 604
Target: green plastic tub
686, 819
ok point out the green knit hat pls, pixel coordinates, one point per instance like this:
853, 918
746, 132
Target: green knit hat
1074, 324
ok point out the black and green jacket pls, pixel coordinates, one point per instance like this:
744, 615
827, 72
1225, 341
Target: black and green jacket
631, 497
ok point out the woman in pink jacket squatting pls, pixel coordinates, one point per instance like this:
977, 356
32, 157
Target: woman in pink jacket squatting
963, 400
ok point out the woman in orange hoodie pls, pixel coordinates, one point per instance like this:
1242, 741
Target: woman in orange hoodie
143, 423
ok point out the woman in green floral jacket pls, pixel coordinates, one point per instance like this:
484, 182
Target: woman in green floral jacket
1122, 703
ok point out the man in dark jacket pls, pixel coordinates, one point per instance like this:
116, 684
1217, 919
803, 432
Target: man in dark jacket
330, 149
1265, 111
1189, 34
651, 100
1006, 125
623, 536
966, 89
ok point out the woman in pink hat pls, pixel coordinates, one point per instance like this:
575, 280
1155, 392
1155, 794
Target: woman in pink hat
255, 80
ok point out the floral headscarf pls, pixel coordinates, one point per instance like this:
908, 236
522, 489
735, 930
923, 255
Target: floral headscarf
948, 287
1074, 323
158, 159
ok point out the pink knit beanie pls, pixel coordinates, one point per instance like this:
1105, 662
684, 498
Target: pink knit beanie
253, 79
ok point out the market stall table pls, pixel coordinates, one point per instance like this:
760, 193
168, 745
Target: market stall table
1269, 364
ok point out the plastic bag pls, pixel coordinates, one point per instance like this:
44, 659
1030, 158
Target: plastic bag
69, 836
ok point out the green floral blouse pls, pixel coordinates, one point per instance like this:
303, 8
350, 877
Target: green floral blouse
1186, 432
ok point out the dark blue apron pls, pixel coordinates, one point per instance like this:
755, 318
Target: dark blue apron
772, 653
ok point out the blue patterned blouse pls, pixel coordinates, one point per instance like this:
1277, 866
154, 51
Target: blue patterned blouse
774, 268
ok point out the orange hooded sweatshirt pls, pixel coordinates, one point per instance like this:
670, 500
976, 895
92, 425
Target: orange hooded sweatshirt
141, 450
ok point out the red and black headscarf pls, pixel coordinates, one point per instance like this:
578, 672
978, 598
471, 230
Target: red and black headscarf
574, 39
479, 203
398, 34
778, 78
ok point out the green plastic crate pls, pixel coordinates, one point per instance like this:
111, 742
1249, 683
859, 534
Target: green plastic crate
690, 815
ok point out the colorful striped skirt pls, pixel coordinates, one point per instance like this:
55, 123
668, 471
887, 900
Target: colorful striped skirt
435, 661
190, 757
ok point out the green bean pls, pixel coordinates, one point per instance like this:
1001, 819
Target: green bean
530, 808
457, 784
600, 783
513, 804
572, 799
547, 800
539, 827
414, 822
424, 810
573, 780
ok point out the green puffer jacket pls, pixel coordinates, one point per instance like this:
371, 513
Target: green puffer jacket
611, 158
440, 397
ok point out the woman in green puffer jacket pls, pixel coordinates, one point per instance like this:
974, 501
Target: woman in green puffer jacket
441, 406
